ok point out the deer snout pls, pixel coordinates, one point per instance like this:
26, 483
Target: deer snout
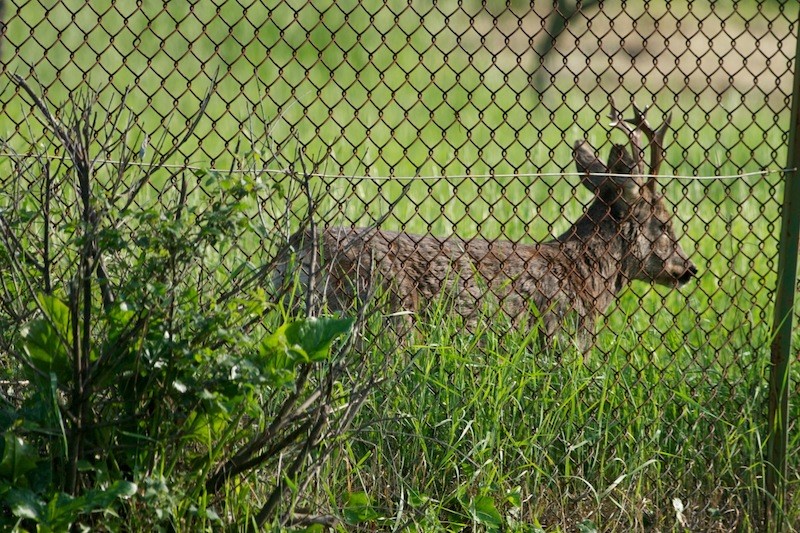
689, 271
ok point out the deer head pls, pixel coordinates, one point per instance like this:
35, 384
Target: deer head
627, 192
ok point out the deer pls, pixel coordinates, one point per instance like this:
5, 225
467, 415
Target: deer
625, 234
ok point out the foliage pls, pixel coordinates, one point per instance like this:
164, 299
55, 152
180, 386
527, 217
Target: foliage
187, 399
149, 394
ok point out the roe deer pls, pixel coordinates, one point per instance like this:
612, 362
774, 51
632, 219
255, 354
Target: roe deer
625, 234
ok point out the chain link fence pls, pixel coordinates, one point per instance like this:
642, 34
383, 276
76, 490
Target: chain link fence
459, 118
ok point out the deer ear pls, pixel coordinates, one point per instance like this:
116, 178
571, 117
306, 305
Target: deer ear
595, 175
621, 163
592, 171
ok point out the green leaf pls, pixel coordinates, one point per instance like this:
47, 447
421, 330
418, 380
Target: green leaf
56, 312
417, 499
514, 497
212, 515
122, 489
358, 508
103, 499
85, 466
61, 511
18, 457
43, 339
25, 504
302, 341
314, 335
206, 425
587, 526
485, 512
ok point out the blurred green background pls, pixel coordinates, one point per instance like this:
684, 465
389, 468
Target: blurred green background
407, 88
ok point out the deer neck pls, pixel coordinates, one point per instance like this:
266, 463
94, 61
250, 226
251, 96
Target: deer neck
596, 246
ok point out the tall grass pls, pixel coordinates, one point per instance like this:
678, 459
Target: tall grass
549, 439
669, 406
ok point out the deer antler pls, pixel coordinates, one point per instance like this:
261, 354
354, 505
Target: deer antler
633, 133
655, 138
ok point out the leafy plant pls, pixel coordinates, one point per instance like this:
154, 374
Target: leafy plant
155, 376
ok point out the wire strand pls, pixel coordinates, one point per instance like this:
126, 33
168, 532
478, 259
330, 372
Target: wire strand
287, 171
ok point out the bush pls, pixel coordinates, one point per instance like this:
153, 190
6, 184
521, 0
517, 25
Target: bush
148, 380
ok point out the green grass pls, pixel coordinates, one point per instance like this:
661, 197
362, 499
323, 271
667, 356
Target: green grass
549, 439
672, 403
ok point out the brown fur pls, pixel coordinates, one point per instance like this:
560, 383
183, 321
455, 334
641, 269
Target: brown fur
625, 234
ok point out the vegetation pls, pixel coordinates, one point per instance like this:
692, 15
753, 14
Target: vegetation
128, 376
152, 381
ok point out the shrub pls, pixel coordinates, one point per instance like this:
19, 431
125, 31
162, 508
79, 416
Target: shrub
150, 380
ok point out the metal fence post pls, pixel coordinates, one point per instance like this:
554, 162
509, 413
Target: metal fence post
784, 311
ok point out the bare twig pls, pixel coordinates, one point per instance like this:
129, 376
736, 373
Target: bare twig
15, 247
48, 190
312, 227
163, 158
233, 466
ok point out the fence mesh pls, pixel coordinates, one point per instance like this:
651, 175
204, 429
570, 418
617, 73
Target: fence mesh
459, 118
